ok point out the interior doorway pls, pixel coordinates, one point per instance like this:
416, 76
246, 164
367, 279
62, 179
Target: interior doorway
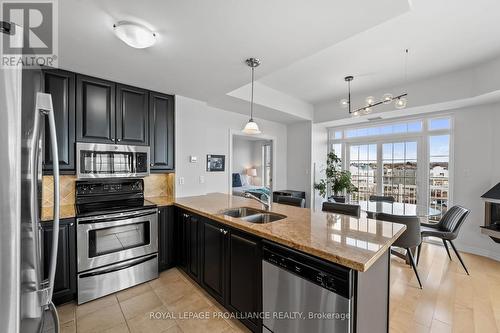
251, 164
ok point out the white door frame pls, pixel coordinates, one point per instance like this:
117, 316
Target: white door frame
232, 134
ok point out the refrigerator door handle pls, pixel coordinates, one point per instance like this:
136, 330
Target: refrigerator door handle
44, 106
34, 212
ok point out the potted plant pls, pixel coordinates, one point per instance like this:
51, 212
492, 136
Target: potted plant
339, 180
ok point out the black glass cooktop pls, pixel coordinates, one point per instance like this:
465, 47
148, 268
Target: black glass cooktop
112, 206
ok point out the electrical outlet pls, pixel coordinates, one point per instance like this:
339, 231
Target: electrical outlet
202, 180
181, 180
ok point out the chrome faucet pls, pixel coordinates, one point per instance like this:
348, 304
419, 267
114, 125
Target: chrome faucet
266, 203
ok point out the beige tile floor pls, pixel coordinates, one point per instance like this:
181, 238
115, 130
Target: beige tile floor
173, 293
450, 301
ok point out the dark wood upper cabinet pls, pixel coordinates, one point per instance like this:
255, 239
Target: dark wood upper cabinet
61, 85
213, 254
95, 109
65, 278
132, 115
161, 133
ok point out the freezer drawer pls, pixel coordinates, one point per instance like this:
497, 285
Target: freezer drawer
109, 279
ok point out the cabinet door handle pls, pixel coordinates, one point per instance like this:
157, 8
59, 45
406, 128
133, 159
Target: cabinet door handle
118, 140
159, 212
224, 232
151, 164
221, 230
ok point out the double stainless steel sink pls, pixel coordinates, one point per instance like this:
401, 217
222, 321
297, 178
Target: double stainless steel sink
252, 215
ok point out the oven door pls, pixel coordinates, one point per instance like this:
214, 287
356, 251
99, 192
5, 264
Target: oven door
109, 239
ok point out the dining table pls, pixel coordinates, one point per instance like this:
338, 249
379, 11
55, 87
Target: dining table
396, 208
372, 208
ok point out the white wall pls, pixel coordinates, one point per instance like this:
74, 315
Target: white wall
476, 169
318, 160
299, 158
242, 158
202, 130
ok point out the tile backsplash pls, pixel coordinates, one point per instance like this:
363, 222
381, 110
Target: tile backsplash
155, 185
66, 189
159, 185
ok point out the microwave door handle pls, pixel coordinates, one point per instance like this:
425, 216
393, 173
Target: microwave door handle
44, 106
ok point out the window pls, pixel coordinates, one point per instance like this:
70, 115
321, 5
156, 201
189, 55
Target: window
363, 168
399, 162
391, 159
439, 124
439, 181
267, 159
397, 128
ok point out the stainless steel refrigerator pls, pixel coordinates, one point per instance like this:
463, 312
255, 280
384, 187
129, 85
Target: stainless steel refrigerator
25, 297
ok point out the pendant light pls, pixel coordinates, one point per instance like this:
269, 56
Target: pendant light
251, 127
400, 101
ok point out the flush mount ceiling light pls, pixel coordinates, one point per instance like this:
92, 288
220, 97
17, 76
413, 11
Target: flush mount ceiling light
400, 101
134, 34
251, 127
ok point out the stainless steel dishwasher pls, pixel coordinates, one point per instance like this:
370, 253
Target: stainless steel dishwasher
304, 294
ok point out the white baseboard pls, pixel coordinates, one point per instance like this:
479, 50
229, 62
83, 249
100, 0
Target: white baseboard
478, 251
468, 249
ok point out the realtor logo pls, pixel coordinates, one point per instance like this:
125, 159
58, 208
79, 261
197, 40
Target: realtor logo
32, 40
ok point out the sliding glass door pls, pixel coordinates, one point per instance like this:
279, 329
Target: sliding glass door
399, 162
411, 160
386, 168
363, 165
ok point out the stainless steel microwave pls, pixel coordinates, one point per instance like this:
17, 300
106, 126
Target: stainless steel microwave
98, 160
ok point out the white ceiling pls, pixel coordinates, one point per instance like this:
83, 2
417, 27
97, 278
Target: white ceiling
441, 35
202, 44
306, 47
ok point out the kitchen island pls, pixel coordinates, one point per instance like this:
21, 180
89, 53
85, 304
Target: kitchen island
214, 245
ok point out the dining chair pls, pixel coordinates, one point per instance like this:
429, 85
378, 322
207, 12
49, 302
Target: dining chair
409, 239
381, 198
342, 208
447, 230
291, 201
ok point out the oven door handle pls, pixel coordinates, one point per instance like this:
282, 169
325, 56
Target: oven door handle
118, 267
112, 218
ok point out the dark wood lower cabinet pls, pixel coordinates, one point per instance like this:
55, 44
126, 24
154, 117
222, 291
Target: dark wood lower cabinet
165, 238
245, 277
229, 263
65, 279
213, 259
188, 237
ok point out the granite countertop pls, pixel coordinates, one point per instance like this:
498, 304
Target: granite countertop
348, 241
161, 201
345, 240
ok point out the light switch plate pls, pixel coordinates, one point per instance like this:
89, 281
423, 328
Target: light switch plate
202, 180
181, 180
